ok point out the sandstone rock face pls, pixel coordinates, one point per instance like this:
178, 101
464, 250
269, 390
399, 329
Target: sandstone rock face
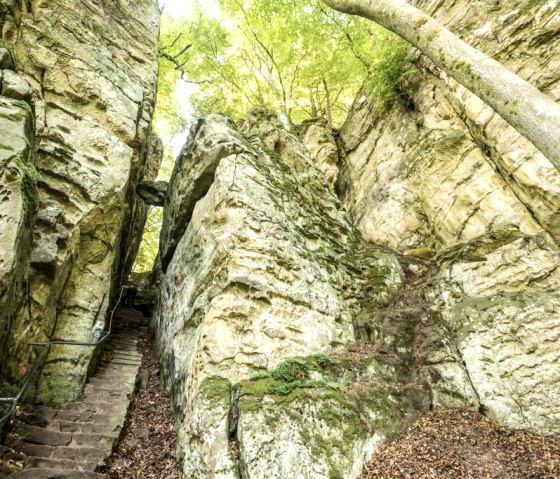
443, 175
148, 172
321, 145
444, 167
18, 204
92, 68
499, 296
261, 265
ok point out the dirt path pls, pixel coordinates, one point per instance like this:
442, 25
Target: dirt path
147, 446
461, 444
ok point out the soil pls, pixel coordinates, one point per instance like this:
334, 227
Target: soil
147, 446
462, 444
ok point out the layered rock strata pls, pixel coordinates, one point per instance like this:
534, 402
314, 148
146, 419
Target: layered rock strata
18, 193
438, 173
440, 166
92, 67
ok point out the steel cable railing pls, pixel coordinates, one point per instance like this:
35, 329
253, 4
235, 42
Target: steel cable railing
39, 361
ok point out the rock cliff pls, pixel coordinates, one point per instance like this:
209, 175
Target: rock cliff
439, 174
78, 114
316, 293
298, 332
261, 266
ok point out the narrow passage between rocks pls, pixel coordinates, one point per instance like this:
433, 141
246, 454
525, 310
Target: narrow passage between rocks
146, 447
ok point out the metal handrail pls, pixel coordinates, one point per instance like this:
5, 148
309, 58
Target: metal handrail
41, 357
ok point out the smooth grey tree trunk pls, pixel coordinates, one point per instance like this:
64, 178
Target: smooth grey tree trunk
532, 113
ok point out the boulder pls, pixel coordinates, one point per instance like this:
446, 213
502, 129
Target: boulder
14, 86
153, 192
262, 266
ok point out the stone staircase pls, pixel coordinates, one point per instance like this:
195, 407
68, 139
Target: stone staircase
77, 441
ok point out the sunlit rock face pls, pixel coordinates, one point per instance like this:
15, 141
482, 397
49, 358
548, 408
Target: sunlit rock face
439, 174
92, 71
260, 264
441, 166
498, 295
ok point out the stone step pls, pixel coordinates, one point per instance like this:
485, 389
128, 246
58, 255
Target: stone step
75, 441
107, 428
113, 403
126, 338
78, 415
81, 454
51, 437
37, 450
127, 353
47, 473
96, 407
112, 380
125, 373
43, 436
123, 347
83, 439
43, 411
34, 462
110, 389
125, 362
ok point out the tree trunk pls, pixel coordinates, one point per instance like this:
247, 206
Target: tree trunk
533, 114
328, 104
314, 112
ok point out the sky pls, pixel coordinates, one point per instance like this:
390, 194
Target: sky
186, 8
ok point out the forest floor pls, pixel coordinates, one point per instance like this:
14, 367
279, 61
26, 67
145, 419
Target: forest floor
462, 444
146, 449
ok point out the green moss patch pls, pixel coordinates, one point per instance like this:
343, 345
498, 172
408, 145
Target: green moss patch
216, 388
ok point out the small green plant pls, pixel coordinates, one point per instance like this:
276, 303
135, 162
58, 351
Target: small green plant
286, 388
261, 375
293, 373
384, 81
322, 360
293, 369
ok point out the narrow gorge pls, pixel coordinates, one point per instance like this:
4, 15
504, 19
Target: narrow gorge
320, 293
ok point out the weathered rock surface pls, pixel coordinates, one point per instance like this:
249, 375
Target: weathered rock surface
261, 264
499, 297
153, 192
443, 167
14, 86
441, 174
321, 145
92, 68
6, 60
18, 205
79, 439
148, 172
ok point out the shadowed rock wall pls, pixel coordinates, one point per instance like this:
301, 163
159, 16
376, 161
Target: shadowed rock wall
18, 193
92, 67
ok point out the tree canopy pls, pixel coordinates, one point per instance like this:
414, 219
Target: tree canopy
300, 58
